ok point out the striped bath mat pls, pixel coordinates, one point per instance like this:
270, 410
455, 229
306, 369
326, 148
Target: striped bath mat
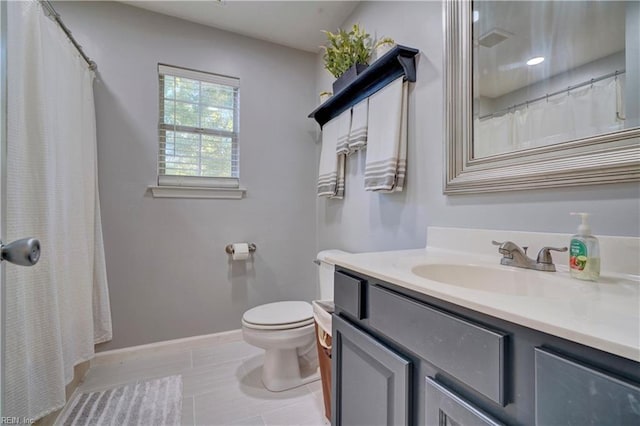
156, 402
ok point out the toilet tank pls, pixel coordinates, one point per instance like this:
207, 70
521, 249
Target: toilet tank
325, 273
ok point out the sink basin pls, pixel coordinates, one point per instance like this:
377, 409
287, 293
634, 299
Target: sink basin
509, 281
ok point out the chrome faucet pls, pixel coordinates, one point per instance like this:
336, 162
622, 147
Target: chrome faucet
512, 255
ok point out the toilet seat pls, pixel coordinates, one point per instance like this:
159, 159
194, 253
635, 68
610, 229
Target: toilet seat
279, 316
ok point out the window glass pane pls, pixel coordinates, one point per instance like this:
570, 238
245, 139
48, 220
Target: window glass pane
205, 107
187, 114
213, 94
169, 143
217, 118
217, 156
169, 112
185, 158
169, 90
187, 90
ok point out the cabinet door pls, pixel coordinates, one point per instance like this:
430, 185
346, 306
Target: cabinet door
445, 408
370, 381
571, 393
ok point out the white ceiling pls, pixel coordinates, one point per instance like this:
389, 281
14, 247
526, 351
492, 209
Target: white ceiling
567, 33
296, 24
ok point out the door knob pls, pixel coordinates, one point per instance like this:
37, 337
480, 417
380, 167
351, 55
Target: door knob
24, 252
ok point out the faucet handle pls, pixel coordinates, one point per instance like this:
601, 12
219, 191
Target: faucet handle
495, 243
544, 255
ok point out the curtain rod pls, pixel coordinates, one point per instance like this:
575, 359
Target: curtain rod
53, 14
568, 89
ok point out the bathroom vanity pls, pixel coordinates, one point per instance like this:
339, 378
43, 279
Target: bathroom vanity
409, 348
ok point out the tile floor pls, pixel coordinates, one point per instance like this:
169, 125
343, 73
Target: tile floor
221, 385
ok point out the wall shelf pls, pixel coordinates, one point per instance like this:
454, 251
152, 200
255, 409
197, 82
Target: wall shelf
399, 61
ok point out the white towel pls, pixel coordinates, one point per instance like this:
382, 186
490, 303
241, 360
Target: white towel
331, 171
344, 125
359, 125
386, 162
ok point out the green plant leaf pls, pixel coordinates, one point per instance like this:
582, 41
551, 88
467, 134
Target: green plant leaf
345, 49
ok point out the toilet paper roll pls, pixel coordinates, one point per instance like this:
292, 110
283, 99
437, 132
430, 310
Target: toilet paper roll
240, 251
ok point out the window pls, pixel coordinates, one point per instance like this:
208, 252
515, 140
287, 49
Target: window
198, 129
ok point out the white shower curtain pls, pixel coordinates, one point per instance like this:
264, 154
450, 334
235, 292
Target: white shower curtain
587, 111
58, 309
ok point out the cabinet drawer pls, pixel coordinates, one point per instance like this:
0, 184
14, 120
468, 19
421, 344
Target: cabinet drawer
444, 407
348, 294
469, 352
571, 393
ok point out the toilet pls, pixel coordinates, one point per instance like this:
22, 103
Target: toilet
285, 330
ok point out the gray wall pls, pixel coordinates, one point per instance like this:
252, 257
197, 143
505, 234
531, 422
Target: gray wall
368, 221
169, 276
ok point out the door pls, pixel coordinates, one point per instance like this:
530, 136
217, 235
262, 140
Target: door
370, 381
445, 408
569, 392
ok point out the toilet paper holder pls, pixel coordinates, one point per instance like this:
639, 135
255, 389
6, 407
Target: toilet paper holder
229, 248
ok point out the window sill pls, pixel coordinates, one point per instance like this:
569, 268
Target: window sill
197, 192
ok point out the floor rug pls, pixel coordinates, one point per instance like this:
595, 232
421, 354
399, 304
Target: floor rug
155, 402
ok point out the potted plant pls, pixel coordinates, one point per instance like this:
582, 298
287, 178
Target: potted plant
325, 96
382, 46
347, 55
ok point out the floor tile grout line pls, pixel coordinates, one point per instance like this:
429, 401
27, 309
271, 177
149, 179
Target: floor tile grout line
193, 409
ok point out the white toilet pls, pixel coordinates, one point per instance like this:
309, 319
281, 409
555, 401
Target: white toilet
286, 332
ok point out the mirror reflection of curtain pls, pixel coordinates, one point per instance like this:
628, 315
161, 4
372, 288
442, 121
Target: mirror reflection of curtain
493, 136
583, 112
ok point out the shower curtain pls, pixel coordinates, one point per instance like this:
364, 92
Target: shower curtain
57, 310
580, 113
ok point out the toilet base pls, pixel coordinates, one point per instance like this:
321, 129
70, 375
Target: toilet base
282, 370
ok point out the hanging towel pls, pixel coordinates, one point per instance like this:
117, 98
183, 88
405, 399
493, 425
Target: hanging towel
358, 132
331, 171
386, 161
344, 125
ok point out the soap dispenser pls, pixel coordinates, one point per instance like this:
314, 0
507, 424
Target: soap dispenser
584, 252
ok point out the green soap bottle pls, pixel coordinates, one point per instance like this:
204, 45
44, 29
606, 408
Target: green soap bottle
584, 253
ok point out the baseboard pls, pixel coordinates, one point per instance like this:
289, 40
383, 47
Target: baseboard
116, 355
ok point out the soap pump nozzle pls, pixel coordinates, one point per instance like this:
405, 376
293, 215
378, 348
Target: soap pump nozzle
584, 228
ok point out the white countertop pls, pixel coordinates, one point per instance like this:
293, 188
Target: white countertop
604, 315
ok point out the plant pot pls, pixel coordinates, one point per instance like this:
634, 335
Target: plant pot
349, 75
324, 96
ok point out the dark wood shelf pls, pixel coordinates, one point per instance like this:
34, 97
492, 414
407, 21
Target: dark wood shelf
399, 61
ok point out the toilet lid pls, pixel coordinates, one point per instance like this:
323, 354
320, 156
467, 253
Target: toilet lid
280, 313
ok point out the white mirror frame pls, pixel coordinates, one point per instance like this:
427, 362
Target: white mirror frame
608, 158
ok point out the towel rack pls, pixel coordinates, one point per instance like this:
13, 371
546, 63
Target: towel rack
399, 61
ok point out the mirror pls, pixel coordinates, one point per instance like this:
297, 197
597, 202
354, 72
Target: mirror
541, 94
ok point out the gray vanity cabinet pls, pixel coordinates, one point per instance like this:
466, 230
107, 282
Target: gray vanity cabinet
371, 382
401, 357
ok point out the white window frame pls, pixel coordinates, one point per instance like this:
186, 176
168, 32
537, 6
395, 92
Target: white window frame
172, 186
